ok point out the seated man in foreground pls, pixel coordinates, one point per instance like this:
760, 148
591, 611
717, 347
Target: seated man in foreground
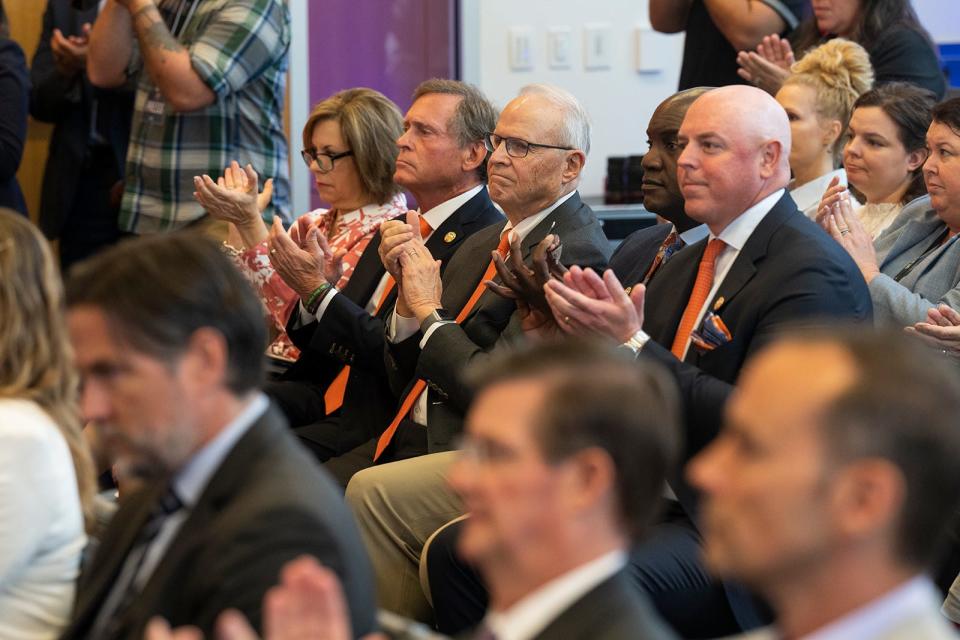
831, 490
169, 341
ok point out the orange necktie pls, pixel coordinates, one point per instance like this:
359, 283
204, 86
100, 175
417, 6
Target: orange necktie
333, 398
698, 296
503, 248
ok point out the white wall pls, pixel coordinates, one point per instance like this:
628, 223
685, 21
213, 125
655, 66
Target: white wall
620, 100
301, 181
941, 18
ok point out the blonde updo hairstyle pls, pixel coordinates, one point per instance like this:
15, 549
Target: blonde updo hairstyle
36, 359
840, 72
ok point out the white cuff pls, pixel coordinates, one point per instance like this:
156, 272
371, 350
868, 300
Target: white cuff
400, 327
431, 329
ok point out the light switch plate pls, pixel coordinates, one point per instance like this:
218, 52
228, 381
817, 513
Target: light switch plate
521, 48
559, 47
597, 46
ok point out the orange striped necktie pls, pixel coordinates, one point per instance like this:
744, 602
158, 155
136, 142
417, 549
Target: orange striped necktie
333, 397
698, 296
418, 387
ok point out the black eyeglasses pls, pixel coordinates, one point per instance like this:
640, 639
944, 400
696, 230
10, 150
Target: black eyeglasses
324, 160
516, 147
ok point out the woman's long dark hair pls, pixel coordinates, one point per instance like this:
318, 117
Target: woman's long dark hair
875, 19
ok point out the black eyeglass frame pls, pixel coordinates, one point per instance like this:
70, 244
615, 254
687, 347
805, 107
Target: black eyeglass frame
312, 155
488, 143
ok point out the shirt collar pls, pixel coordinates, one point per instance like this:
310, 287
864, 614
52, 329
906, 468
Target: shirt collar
532, 614
398, 201
439, 214
696, 234
737, 233
192, 479
528, 224
914, 597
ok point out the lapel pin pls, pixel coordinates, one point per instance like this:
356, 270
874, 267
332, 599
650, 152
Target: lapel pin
450, 237
719, 303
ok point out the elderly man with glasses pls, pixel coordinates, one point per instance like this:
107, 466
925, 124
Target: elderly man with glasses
440, 324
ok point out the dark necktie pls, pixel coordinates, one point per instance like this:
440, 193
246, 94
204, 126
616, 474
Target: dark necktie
670, 245
166, 506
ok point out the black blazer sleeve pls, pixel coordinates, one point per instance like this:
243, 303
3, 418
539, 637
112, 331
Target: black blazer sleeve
51, 93
14, 95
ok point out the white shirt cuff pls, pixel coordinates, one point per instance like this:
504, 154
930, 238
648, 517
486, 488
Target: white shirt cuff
430, 330
400, 327
305, 317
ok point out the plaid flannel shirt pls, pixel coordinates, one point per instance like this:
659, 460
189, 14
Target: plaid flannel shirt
239, 48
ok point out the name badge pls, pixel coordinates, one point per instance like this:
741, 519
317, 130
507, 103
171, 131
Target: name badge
155, 108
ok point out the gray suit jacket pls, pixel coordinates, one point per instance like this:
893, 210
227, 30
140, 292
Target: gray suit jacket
266, 504
491, 325
902, 303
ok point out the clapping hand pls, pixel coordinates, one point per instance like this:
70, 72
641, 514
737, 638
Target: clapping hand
584, 303
525, 285
941, 330
308, 604
769, 66
836, 215
235, 197
70, 52
304, 264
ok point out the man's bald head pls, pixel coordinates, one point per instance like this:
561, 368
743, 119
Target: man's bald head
736, 148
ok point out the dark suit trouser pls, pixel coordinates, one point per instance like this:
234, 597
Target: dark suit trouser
91, 224
666, 566
409, 441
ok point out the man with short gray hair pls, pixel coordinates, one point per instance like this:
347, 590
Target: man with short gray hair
442, 324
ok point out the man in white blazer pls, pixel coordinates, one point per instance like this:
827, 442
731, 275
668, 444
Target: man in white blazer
833, 483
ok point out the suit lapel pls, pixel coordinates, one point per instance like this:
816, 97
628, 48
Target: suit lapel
261, 436
669, 292
753, 252
116, 544
553, 221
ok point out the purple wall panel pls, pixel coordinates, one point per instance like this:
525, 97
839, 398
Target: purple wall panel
388, 45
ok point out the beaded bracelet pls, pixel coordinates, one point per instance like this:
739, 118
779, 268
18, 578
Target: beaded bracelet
317, 296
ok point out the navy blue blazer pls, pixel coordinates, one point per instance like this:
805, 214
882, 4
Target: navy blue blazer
14, 96
789, 273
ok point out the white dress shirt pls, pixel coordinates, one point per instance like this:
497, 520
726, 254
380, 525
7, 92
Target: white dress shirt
734, 236
41, 524
434, 217
399, 328
532, 614
695, 234
906, 612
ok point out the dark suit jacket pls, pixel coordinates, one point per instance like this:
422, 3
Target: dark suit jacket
68, 104
632, 259
491, 324
788, 273
348, 335
613, 610
267, 504
14, 92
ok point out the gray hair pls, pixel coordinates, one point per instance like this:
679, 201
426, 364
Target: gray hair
575, 126
475, 115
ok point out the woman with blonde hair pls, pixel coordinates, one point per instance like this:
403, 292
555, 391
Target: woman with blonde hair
47, 484
349, 145
818, 98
